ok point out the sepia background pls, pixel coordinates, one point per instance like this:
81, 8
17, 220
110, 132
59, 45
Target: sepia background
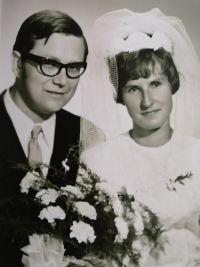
85, 12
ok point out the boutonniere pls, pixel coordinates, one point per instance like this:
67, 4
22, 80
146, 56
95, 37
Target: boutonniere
65, 166
173, 183
72, 158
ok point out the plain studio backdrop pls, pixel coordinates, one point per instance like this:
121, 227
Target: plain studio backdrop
85, 12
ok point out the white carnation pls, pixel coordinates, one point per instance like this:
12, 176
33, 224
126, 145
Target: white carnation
83, 232
69, 189
28, 181
79, 180
146, 217
51, 213
107, 189
83, 177
137, 245
129, 214
141, 246
83, 173
47, 196
138, 224
83, 181
85, 209
111, 192
122, 228
101, 198
144, 255
136, 206
117, 206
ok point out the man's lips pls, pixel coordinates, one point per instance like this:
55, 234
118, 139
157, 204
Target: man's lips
55, 92
150, 112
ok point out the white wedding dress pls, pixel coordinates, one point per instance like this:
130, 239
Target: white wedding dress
145, 172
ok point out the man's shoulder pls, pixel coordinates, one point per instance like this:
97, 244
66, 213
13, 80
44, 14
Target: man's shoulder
4, 115
3, 92
67, 122
66, 115
2, 97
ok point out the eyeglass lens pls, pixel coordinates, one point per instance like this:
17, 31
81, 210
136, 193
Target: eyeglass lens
52, 68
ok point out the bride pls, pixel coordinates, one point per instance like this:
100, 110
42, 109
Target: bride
146, 60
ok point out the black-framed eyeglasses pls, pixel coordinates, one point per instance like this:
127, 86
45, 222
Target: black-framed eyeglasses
51, 68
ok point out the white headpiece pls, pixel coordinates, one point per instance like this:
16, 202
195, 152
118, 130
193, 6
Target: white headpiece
139, 40
124, 30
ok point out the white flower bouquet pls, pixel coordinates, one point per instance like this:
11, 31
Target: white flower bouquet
86, 225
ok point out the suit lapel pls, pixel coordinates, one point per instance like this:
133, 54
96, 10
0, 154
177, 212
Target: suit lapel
66, 135
10, 147
61, 142
11, 153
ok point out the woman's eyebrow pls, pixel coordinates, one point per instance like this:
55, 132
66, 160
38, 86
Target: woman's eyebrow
130, 86
158, 78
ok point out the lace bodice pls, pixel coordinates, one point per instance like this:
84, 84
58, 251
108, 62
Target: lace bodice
145, 172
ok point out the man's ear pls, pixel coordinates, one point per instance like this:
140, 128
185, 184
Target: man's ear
16, 63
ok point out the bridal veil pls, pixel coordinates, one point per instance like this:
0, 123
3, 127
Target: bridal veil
103, 118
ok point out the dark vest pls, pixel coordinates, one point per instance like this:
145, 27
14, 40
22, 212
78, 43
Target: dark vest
67, 132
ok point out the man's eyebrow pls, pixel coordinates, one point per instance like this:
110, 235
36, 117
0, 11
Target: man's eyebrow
52, 58
58, 60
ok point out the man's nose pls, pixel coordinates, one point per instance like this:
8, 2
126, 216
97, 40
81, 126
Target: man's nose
147, 100
61, 78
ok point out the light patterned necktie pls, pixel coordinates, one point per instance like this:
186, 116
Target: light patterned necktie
34, 150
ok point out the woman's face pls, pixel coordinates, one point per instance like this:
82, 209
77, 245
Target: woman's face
149, 100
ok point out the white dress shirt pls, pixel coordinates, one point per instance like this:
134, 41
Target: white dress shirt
24, 125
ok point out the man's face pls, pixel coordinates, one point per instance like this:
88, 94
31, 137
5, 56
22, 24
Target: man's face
149, 100
45, 95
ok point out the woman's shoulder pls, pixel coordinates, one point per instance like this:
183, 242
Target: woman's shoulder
108, 147
189, 142
188, 148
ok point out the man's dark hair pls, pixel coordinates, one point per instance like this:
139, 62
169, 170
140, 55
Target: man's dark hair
141, 64
42, 25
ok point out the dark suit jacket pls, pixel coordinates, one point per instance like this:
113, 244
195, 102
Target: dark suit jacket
67, 132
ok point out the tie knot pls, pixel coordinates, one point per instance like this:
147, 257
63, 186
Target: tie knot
35, 132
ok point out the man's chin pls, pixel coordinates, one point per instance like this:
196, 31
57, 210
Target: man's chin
54, 106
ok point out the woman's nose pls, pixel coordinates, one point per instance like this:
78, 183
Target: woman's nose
61, 79
147, 100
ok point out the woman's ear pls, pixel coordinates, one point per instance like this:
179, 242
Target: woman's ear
16, 63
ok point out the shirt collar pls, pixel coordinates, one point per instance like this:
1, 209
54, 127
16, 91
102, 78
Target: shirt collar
24, 125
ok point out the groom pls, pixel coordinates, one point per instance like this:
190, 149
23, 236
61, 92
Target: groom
48, 57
